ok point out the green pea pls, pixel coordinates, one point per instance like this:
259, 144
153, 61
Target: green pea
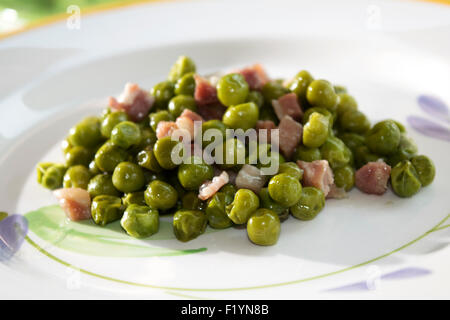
86, 133
272, 90
189, 224
256, 97
147, 159
292, 169
275, 159
134, 198
140, 221
363, 155
285, 189
102, 184
244, 204
181, 102
320, 93
263, 227
216, 212
193, 174
384, 138
148, 139
151, 176
354, 121
3, 215
185, 85
163, 150
405, 151
212, 124
190, 201
315, 132
267, 202
311, 202
110, 121
267, 113
106, 209
160, 195
109, 156
400, 126
162, 92
340, 89
344, 177
77, 177
126, 134
51, 175
405, 180
243, 116
93, 169
306, 154
157, 117
346, 103
232, 89
233, 153
182, 66
352, 140
128, 177
425, 169
229, 190
78, 155
335, 152
331, 116
300, 85
66, 146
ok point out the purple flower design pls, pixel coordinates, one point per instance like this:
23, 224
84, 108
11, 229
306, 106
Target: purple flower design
13, 230
437, 109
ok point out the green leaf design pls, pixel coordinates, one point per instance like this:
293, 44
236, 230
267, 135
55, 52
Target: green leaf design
85, 237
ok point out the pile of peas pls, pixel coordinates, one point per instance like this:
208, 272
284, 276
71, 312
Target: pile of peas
130, 176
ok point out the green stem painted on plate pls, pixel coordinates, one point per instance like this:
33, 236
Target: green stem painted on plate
437, 227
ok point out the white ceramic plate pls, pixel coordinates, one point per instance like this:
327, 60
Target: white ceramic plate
387, 53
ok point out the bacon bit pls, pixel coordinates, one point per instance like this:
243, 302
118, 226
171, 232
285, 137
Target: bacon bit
317, 174
373, 177
287, 105
211, 112
336, 193
250, 177
209, 188
75, 202
191, 115
290, 133
266, 124
255, 76
205, 93
134, 101
165, 129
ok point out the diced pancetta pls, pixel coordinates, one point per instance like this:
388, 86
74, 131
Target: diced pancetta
165, 129
267, 125
336, 193
373, 177
205, 93
250, 177
75, 202
255, 76
290, 134
209, 188
317, 174
211, 111
134, 101
287, 105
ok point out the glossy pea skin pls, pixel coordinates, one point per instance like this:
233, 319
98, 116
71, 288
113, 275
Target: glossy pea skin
232, 89
344, 177
93, 169
134, 198
77, 177
383, 138
182, 66
335, 152
256, 97
285, 189
311, 202
425, 169
179, 103
190, 201
263, 227
267, 202
315, 132
147, 160
162, 92
66, 145
110, 121
157, 117
189, 224
148, 139
140, 221
346, 103
245, 202
126, 134
160, 195
242, 116
216, 212
229, 190
292, 169
109, 156
86, 133
320, 93
185, 85
106, 209
300, 85
352, 140
404, 179
193, 174
331, 115
306, 154
272, 90
78, 155
128, 177
102, 184
405, 151
163, 152
51, 175
354, 121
